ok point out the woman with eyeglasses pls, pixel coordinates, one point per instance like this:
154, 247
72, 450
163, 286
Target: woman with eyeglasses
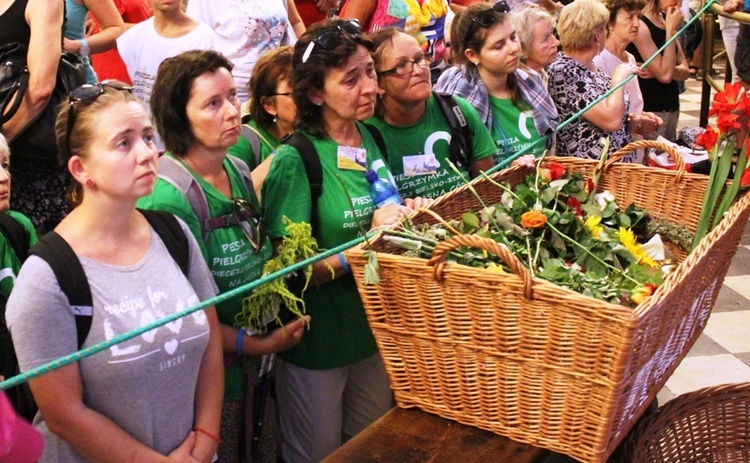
409, 118
150, 398
513, 103
576, 82
272, 113
333, 384
197, 113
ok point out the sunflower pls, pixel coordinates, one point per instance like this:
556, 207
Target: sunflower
592, 225
627, 238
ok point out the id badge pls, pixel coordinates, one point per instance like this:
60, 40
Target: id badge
350, 158
420, 164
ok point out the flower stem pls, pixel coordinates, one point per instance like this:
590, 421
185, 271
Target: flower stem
729, 196
584, 249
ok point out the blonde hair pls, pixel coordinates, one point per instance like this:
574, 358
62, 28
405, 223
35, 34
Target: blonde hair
4, 148
579, 22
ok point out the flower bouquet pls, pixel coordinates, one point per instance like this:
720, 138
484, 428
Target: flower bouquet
563, 231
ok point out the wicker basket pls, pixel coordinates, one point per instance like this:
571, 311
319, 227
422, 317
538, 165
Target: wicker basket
711, 425
531, 360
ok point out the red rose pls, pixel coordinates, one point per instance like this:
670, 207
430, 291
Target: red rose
557, 170
589, 186
707, 139
574, 204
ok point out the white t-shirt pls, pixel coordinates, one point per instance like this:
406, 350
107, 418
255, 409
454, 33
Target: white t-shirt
142, 50
246, 29
607, 62
147, 384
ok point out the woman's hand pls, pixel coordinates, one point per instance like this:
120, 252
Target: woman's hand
644, 123
288, 336
622, 72
182, 453
388, 215
527, 160
673, 19
418, 203
72, 46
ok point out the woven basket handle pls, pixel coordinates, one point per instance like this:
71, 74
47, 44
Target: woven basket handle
630, 147
438, 257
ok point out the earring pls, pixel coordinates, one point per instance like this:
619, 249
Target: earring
89, 183
274, 119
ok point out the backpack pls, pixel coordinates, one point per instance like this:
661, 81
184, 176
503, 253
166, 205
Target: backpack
20, 396
174, 172
54, 250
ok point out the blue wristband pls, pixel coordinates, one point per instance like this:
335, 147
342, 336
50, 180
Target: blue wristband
238, 345
344, 264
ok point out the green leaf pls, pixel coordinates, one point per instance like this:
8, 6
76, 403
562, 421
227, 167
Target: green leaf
371, 269
470, 219
623, 220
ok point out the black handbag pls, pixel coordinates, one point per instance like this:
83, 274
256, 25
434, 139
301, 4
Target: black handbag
38, 140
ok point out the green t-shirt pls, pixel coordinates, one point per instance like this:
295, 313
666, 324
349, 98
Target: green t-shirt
9, 262
418, 154
243, 150
513, 129
339, 334
227, 251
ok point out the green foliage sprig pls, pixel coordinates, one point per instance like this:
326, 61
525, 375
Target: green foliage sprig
263, 305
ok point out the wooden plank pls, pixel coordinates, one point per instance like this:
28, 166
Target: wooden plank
409, 436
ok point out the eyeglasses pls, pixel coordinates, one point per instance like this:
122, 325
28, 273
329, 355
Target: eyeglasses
249, 220
487, 18
331, 37
407, 67
89, 92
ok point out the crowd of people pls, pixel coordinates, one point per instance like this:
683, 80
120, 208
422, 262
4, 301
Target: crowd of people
235, 118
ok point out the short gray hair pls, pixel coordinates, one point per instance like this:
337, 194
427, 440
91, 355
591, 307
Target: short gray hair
523, 20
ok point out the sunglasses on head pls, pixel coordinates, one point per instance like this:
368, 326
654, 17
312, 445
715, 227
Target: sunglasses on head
331, 37
247, 217
487, 18
87, 93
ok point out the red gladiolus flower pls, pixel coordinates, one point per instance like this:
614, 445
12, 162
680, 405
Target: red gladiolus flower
707, 139
575, 205
745, 180
727, 121
556, 169
726, 101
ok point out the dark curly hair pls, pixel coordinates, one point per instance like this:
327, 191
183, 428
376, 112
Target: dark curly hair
171, 93
310, 75
628, 5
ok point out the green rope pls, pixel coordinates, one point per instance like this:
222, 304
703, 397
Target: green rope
68, 359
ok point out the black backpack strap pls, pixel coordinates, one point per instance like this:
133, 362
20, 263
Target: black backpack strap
313, 168
461, 149
171, 233
16, 235
377, 136
71, 278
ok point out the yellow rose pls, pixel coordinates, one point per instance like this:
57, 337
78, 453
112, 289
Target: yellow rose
533, 219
